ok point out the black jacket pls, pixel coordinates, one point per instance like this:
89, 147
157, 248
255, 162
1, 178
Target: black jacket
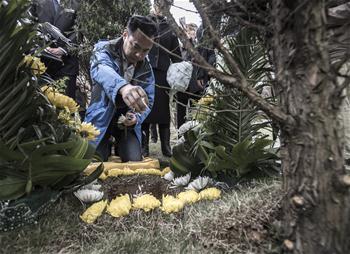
199, 73
160, 61
159, 58
63, 19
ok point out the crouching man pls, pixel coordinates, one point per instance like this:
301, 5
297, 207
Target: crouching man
123, 84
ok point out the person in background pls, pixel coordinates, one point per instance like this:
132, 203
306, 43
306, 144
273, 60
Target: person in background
200, 78
123, 88
160, 61
191, 32
64, 18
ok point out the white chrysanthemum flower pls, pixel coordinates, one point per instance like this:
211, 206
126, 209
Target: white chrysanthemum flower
181, 181
199, 183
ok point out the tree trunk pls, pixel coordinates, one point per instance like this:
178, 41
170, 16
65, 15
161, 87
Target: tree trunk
317, 202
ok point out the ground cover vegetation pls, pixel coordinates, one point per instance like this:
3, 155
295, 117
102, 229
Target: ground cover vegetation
244, 220
304, 45
315, 193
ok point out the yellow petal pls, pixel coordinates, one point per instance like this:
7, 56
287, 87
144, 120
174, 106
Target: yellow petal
165, 171
127, 171
120, 206
35, 64
146, 202
206, 100
210, 194
171, 204
60, 100
103, 176
188, 197
93, 212
87, 130
148, 171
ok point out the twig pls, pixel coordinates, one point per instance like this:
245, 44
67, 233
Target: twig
273, 111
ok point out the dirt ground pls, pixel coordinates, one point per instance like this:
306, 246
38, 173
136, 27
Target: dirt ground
138, 185
245, 220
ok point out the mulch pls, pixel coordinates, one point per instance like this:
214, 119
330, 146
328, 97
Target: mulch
137, 185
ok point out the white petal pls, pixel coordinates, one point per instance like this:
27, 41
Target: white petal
181, 181
169, 176
88, 196
199, 183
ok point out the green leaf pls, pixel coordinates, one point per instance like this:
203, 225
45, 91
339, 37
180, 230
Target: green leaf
12, 188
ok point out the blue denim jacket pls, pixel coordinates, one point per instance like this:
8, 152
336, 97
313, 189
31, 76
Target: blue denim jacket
107, 76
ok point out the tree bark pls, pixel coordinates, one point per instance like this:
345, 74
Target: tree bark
317, 203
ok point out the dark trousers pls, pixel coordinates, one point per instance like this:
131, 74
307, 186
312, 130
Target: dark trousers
164, 135
70, 69
129, 147
71, 86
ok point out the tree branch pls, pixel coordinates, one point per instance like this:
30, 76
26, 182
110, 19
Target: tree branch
232, 65
272, 111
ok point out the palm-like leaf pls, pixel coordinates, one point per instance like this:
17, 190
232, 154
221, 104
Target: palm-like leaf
235, 115
222, 143
36, 150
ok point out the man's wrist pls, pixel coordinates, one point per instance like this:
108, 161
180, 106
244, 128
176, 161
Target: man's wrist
123, 88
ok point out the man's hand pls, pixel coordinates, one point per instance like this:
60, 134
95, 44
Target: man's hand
56, 51
130, 119
134, 97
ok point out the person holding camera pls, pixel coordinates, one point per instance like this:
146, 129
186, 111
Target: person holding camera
64, 18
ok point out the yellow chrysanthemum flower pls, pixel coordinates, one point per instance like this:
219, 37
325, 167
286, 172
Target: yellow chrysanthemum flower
87, 130
171, 204
103, 176
115, 172
127, 171
146, 202
65, 117
210, 194
206, 100
35, 64
120, 206
93, 212
165, 171
60, 100
148, 171
188, 197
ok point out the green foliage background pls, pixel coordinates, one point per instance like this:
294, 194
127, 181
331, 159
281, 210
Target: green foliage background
104, 19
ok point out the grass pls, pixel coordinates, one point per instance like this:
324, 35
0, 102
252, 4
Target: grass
240, 222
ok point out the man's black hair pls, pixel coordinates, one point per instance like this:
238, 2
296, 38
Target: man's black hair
144, 23
169, 2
